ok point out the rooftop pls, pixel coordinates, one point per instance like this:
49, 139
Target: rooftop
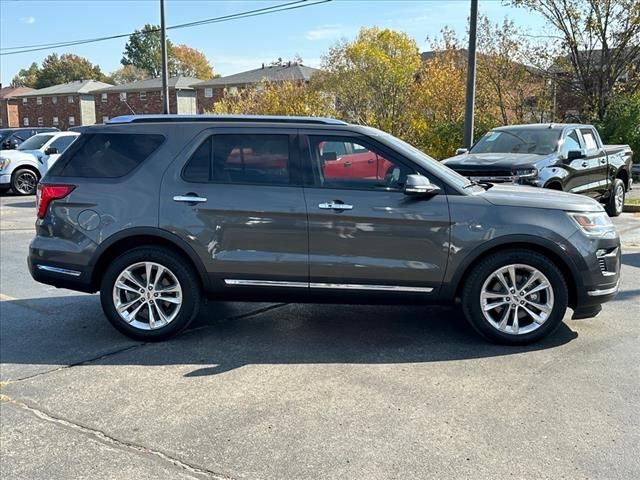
223, 118
179, 83
77, 86
6, 92
270, 73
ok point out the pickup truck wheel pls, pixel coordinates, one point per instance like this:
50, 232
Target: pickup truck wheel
24, 181
150, 293
615, 202
515, 297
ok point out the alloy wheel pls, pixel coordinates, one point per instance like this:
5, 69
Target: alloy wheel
26, 182
147, 295
619, 197
517, 299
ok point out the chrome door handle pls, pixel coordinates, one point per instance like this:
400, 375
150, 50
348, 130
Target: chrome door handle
189, 199
335, 206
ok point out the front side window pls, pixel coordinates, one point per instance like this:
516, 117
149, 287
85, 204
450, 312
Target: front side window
260, 159
61, 143
572, 142
106, 155
339, 162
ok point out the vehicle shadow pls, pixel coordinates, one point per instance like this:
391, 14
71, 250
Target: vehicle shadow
631, 259
227, 336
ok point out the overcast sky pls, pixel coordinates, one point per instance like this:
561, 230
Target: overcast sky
233, 46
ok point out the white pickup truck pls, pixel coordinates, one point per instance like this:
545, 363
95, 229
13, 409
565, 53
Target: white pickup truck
21, 169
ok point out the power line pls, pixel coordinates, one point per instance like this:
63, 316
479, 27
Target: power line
235, 16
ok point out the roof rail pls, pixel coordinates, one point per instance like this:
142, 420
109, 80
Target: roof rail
223, 118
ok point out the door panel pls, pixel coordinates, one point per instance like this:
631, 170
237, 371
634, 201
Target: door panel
364, 231
597, 159
242, 231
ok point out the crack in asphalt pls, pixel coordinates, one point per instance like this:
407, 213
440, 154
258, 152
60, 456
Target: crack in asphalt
104, 438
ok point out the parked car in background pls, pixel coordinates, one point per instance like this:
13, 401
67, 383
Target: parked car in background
567, 157
155, 212
22, 168
11, 138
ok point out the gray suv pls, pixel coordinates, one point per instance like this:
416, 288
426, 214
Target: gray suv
155, 212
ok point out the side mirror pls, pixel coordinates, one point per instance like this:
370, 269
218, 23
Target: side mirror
417, 185
51, 151
576, 154
462, 151
329, 156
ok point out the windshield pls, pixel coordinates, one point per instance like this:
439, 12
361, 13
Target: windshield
421, 158
34, 143
519, 140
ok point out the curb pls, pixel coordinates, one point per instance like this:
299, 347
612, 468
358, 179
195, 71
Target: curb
631, 208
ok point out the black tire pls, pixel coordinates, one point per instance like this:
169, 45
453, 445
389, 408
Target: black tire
19, 181
4, 190
613, 207
472, 305
181, 270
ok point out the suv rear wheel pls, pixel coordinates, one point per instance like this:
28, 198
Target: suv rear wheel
515, 297
150, 293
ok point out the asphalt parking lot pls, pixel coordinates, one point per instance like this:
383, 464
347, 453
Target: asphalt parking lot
274, 391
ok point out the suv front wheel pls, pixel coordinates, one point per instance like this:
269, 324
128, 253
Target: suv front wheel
150, 293
515, 297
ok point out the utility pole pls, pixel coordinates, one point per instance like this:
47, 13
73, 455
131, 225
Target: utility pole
471, 76
165, 74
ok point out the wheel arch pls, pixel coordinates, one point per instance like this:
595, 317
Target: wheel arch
548, 249
138, 237
623, 175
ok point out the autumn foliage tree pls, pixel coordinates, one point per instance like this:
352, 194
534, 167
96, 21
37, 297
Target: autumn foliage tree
190, 62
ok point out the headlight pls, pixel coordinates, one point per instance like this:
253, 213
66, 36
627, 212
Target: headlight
4, 163
526, 173
596, 224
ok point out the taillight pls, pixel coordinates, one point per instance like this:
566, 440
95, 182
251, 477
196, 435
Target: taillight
47, 193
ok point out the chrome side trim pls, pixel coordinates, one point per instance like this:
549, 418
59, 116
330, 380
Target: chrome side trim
265, 283
606, 291
64, 271
384, 288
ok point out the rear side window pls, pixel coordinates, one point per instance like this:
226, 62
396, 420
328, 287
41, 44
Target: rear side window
106, 155
249, 159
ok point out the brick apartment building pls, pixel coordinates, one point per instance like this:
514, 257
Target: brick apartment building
145, 96
210, 91
9, 106
62, 106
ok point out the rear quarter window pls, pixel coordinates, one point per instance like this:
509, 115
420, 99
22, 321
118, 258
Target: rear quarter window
106, 155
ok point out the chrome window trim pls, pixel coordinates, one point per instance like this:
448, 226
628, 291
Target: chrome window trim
64, 271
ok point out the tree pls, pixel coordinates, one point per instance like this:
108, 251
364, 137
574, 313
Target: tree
621, 124
143, 50
281, 98
373, 79
27, 77
128, 73
190, 62
601, 39
67, 68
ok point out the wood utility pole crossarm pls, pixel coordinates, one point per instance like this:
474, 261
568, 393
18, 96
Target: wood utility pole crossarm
165, 74
471, 77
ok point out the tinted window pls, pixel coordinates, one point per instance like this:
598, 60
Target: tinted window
197, 169
589, 139
519, 140
61, 143
107, 155
254, 159
353, 165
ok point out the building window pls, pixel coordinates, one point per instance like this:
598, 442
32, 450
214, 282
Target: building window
233, 91
208, 92
55, 122
25, 121
38, 100
72, 121
103, 98
25, 100
40, 121
104, 119
70, 98
143, 95
54, 100
123, 96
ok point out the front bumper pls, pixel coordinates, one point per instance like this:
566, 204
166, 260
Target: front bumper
5, 179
